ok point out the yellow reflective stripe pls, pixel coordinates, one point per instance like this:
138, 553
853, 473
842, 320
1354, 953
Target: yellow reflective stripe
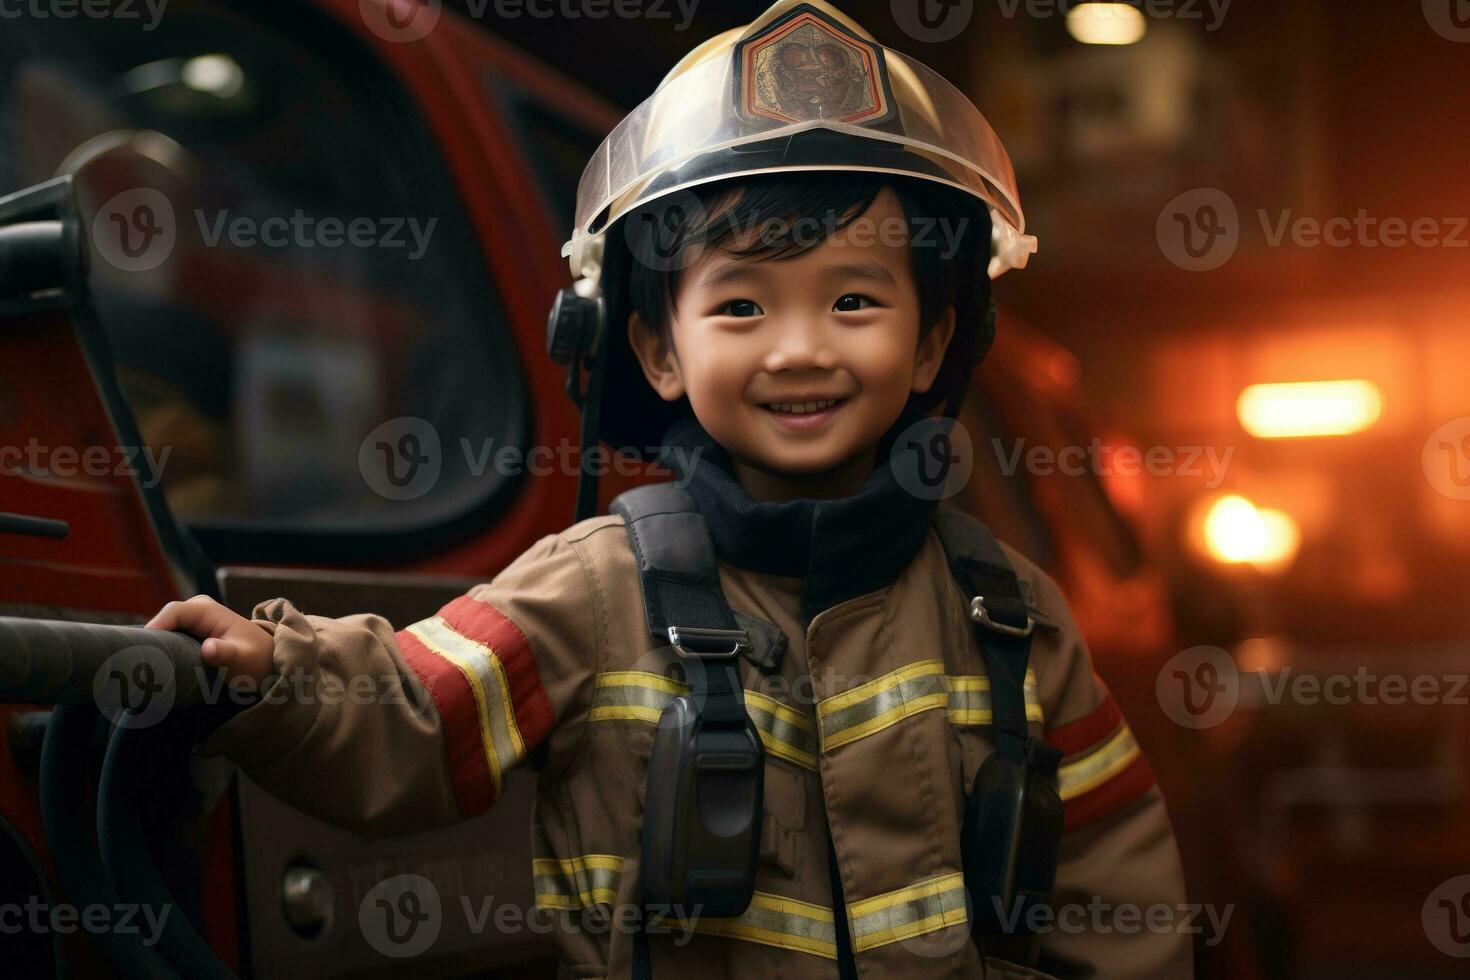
917, 910
636, 695
632, 695
1114, 755
579, 882
772, 920
874, 706
485, 674
785, 732
641, 678
784, 712
969, 700
877, 685
881, 702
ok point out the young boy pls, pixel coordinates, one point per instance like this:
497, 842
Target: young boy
784, 257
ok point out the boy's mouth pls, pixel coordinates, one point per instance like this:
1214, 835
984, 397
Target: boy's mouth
804, 414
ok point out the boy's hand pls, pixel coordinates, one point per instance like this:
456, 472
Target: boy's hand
231, 642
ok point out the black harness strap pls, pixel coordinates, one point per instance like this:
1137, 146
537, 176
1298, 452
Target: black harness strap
681, 591
1002, 621
1013, 813
676, 559
686, 608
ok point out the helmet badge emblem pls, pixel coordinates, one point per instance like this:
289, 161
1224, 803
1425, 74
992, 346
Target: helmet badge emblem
805, 67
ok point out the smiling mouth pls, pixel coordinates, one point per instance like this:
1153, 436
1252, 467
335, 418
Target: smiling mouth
804, 416
802, 408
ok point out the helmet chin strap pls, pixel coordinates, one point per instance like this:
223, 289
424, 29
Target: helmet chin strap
575, 337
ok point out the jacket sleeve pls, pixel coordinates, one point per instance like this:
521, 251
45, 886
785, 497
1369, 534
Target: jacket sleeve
388, 732
1119, 904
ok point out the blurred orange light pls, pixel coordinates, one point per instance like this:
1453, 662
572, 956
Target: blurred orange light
1106, 23
1238, 532
1309, 408
1064, 368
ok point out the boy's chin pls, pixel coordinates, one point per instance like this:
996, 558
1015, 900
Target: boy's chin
799, 461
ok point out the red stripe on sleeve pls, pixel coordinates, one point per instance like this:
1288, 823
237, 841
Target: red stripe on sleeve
1087, 731
485, 624
469, 770
1079, 738
1111, 796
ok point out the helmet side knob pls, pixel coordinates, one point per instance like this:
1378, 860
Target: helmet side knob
573, 328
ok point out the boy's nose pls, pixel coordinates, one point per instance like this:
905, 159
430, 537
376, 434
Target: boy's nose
800, 346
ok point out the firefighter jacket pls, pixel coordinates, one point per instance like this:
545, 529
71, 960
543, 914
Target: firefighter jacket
869, 690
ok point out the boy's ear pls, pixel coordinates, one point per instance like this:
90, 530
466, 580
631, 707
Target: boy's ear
656, 356
932, 350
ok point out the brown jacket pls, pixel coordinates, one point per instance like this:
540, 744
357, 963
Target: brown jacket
874, 725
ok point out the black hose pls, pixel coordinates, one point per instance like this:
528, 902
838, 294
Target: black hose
46, 661
132, 755
32, 258
151, 684
65, 761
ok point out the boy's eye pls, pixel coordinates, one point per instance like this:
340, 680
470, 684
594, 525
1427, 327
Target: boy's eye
852, 302
742, 307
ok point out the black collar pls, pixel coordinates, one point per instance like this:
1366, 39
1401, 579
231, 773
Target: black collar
841, 548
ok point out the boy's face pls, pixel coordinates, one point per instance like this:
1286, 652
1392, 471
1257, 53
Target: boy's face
756, 341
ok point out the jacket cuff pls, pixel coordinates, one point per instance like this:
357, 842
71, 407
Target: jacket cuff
287, 705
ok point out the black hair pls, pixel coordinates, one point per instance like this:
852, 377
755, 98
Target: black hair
666, 235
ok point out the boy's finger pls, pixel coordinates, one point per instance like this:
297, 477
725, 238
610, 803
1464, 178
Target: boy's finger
200, 615
165, 618
216, 651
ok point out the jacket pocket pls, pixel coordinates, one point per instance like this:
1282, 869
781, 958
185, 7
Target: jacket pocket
783, 822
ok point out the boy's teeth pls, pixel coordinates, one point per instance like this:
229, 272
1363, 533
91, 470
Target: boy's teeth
801, 408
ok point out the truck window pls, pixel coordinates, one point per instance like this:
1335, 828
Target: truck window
318, 361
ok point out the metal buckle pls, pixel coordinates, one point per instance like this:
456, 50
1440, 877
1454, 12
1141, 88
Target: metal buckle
981, 615
693, 641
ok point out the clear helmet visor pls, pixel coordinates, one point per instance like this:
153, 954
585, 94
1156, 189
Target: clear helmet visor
805, 91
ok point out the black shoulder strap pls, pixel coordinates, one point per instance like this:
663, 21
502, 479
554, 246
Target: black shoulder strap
676, 560
1002, 622
686, 608
682, 599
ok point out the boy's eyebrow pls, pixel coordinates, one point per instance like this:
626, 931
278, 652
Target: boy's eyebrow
729, 272
872, 271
